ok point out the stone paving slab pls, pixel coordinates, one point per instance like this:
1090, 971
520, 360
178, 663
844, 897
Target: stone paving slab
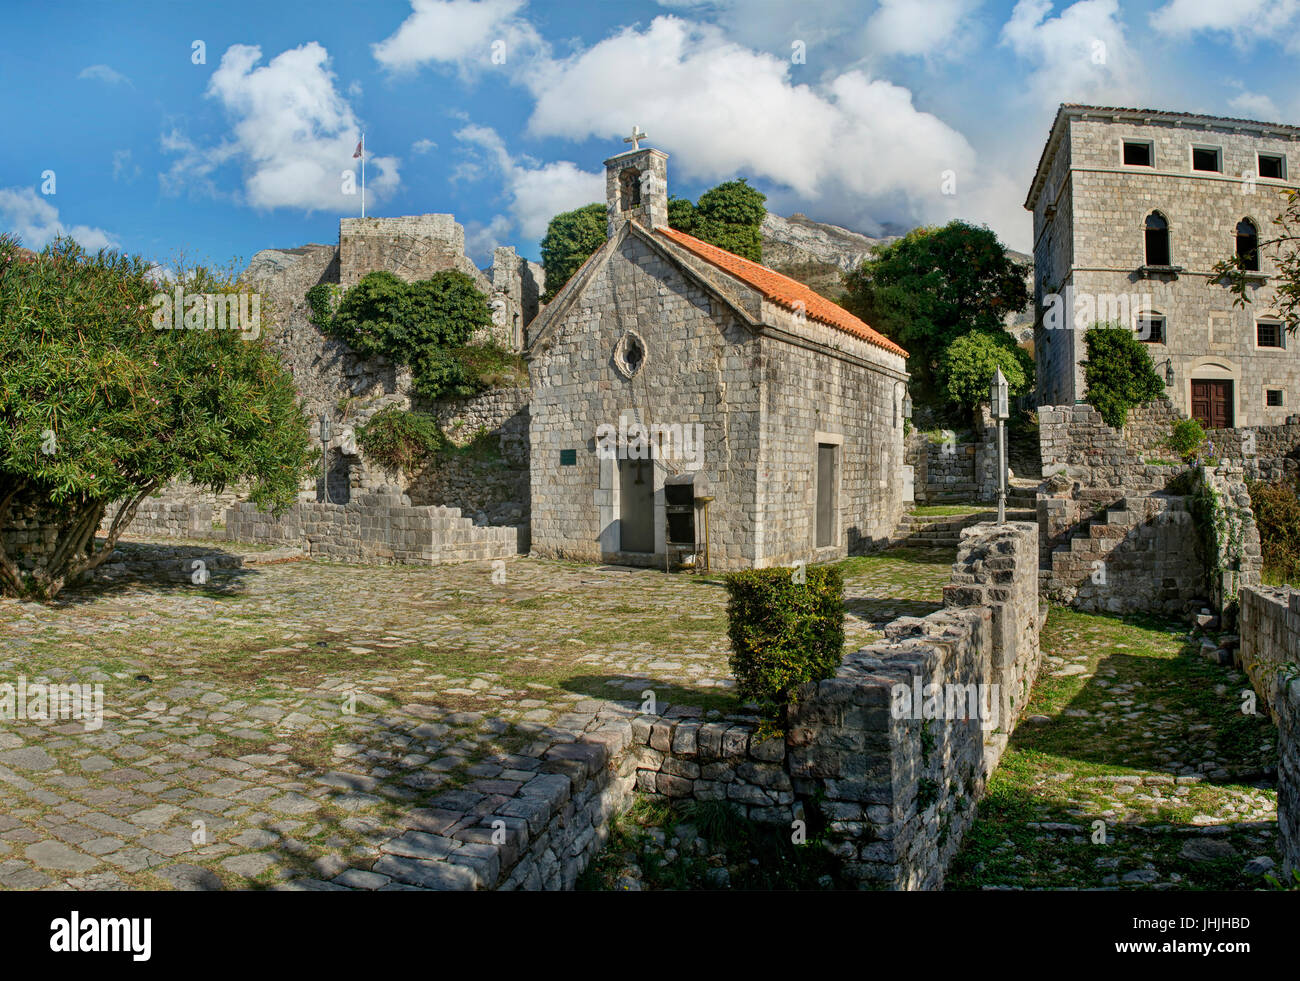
322, 726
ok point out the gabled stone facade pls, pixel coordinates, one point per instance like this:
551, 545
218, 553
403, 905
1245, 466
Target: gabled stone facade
1090, 210
659, 330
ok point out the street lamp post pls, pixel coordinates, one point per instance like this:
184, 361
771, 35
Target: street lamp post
1000, 411
325, 455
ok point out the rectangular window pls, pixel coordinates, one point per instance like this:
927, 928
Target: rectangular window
568, 458
1151, 329
1269, 335
1272, 166
1138, 154
1273, 397
1207, 158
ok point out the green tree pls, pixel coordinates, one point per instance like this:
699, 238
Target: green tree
570, 240
932, 286
729, 216
1284, 247
1118, 372
98, 408
967, 367
424, 325
681, 215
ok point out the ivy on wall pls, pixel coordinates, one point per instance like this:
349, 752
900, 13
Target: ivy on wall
1222, 526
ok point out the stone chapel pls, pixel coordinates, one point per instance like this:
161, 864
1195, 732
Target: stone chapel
673, 381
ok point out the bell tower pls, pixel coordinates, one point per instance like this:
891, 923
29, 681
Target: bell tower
636, 186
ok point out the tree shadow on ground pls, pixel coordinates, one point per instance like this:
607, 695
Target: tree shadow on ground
878, 612
153, 566
629, 691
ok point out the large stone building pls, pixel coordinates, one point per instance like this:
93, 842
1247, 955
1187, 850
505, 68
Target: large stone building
667, 369
1132, 209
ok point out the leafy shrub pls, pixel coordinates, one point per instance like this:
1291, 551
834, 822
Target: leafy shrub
99, 409
784, 633
1277, 516
322, 301
1118, 372
492, 366
968, 365
1186, 439
398, 439
423, 325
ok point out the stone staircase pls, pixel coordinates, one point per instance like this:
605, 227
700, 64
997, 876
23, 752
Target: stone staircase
944, 531
1140, 553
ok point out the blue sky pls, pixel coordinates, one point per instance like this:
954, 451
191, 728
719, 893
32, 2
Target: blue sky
501, 111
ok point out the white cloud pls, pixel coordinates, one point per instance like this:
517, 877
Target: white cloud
103, 73
460, 32
723, 110
124, 167
423, 146
537, 191
1246, 22
35, 221
1081, 55
481, 239
293, 134
193, 165
1254, 105
917, 27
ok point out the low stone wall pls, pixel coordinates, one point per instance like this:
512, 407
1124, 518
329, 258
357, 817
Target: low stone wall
961, 469
374, 528
895, 782
714, 761
1078, 446
1269, 653
1268, 453
1269, 631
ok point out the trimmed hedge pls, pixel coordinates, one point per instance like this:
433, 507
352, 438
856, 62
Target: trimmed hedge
784, 633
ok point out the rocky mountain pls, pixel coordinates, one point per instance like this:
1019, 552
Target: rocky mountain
818, 254
813, 252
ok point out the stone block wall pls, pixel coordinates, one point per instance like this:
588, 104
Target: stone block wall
1269, 653
686, 759
944, 471
375, 528
1076, 443
962, 469
899, 783
1142, 554
1269, 628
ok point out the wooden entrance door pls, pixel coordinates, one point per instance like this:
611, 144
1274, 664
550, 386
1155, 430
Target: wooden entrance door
1212, 403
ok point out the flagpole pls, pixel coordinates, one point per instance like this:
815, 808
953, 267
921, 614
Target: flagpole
363, 175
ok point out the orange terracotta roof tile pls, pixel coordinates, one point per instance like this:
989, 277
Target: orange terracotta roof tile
783, 290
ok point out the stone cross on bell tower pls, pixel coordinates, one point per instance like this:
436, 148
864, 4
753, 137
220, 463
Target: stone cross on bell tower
636, 186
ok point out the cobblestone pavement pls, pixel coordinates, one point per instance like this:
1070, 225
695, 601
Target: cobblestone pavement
322, 726
1135, 768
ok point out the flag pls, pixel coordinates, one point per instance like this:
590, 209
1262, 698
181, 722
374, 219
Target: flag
358, 152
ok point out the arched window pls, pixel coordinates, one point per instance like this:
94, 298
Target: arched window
1157, 240
1248, 244
630, 188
